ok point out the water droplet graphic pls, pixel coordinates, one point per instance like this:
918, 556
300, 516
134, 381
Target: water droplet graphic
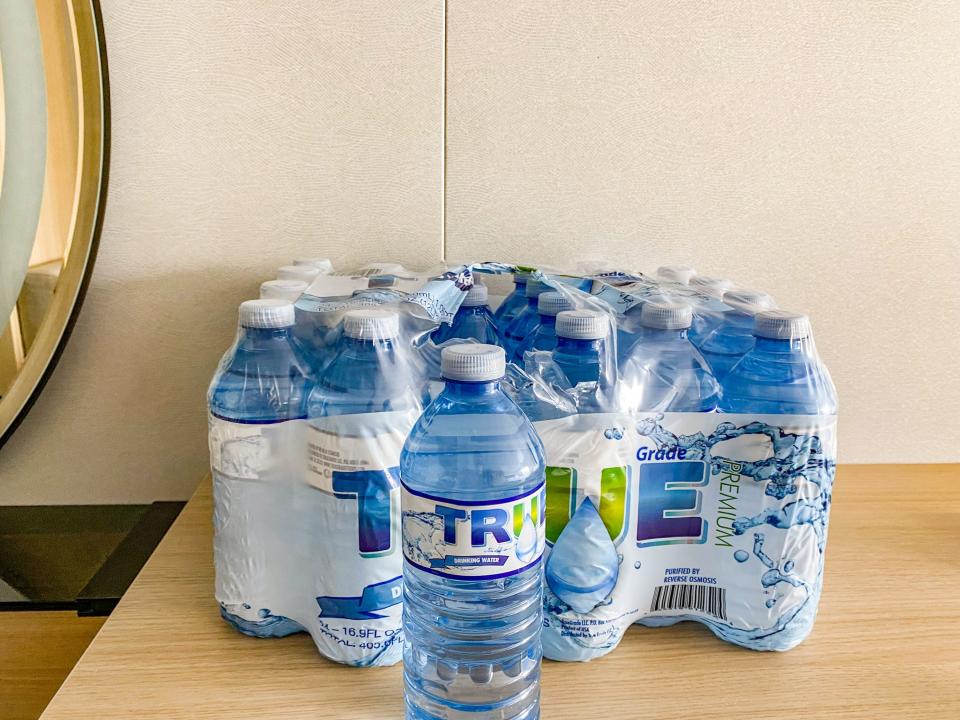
583, 567
264, 612
788, 566
741, 556
527, 541
636, 565
771, 602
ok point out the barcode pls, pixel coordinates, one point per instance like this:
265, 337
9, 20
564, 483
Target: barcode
703, 598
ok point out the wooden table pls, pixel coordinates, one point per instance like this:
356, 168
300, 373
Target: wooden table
886, 643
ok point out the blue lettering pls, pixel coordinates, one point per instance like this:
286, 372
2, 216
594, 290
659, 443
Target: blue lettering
450, 516
372, 490
491, 520
645, 454
668, 510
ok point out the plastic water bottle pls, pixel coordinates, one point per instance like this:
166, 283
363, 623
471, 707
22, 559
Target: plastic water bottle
369, 371
680, 274
263, 381
728, 335
303, 273
289, 290
544, 335
525, 321
781, 374
473, 537
472, 320
576, 367
514, 302
664, 371
361, 410
580, 351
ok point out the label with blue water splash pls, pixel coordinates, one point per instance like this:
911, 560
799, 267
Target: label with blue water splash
684, 516
473, 540
351, 503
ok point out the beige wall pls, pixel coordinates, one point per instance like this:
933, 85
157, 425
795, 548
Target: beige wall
243, 133
806, 148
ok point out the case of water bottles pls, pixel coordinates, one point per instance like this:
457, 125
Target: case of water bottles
688, 433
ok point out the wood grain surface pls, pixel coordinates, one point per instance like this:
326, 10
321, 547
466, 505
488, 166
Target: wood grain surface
885, 644
37, 651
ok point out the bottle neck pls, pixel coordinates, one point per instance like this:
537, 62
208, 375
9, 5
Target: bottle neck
258, 335
369, 344
660, 334
770, 345
463, 389
580, 347
548, 320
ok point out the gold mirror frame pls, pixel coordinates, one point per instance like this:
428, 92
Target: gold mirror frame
93, 164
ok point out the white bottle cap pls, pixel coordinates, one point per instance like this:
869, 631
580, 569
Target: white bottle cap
318, 262
472, 362
676, 273
748, 302
551, 303
303, 273
714, 287
477, 295
665, 315
535, 287
781, 325
290, 290
266, 313
373, 324
582, 325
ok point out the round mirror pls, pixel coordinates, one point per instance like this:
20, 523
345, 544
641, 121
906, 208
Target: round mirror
53, 156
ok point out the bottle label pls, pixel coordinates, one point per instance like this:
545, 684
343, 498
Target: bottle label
664, 517
473, 540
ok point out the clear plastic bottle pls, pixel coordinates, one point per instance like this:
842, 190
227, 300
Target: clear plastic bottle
347, 526
781, 374
525, 321
664, 371
544, 335
728, 335
473, 320
580, 351
473, 536
514, 302
369, 372
262, 383
289, 290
